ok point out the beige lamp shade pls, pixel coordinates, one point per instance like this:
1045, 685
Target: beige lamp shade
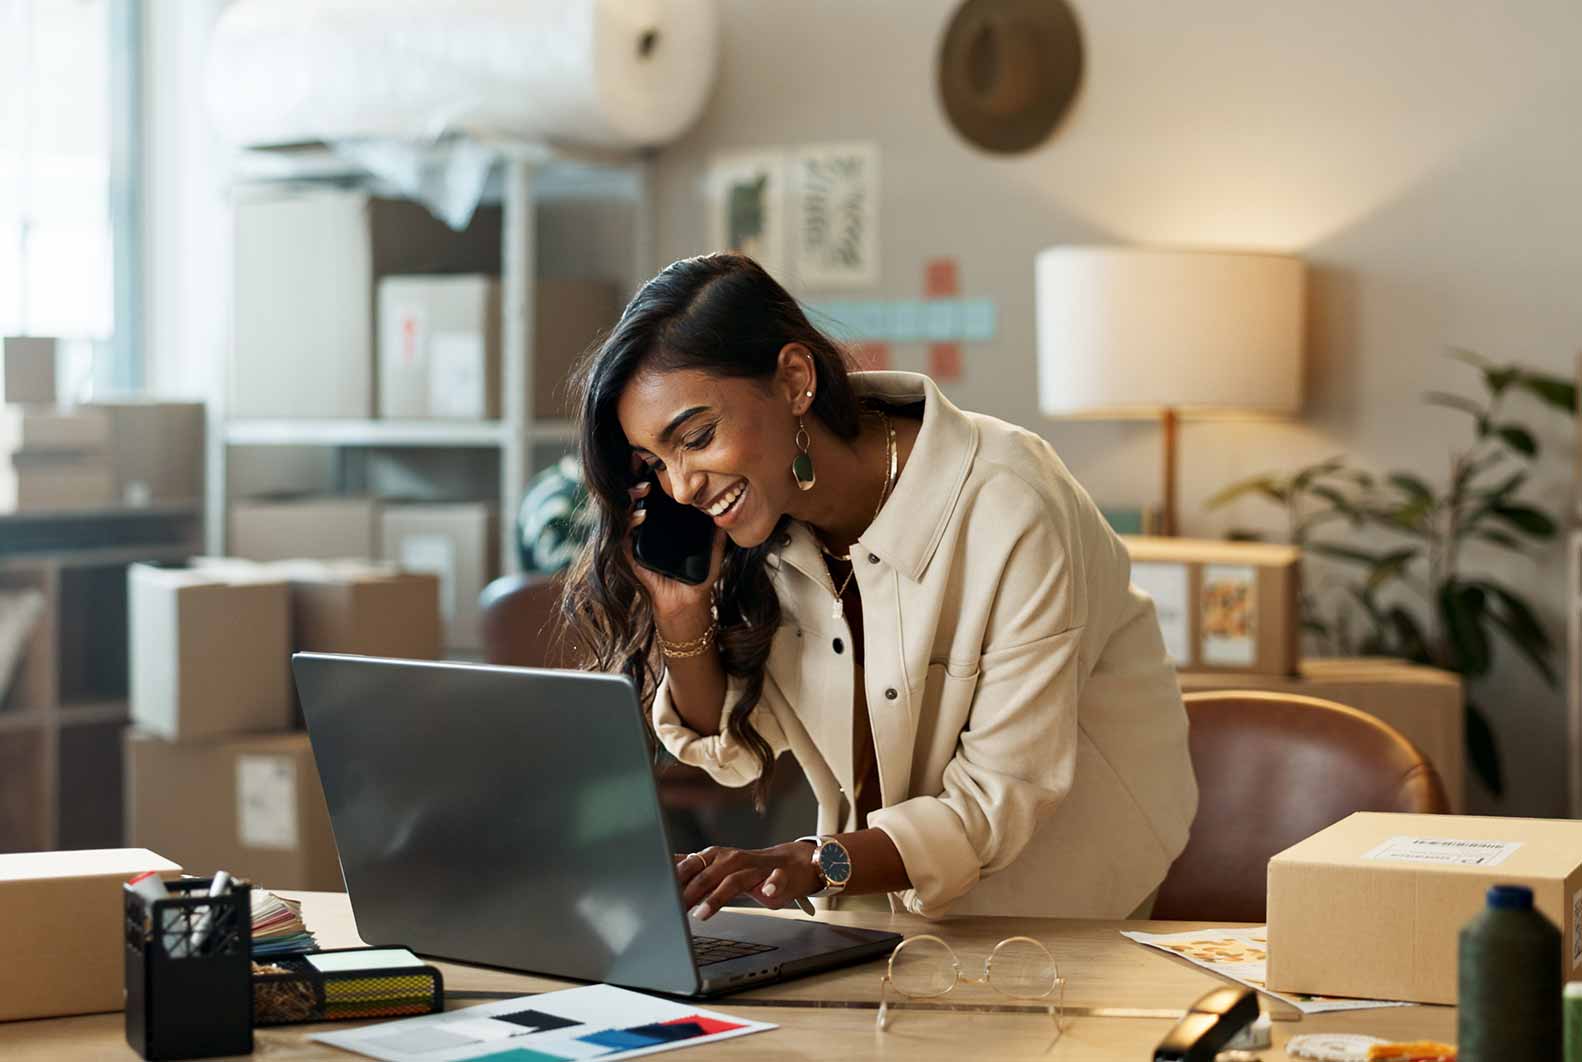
1131, 333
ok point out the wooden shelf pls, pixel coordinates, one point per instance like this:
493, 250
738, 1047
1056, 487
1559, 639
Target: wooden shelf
24, 719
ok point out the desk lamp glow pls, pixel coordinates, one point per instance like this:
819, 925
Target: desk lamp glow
1135, 334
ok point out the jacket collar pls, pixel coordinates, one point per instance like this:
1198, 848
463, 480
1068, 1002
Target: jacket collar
908, 530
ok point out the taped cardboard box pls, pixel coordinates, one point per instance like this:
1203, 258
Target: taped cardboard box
314, 528
62, 929
439, 347
1223, 606
1373, 905
27, 370
458, 543
155, 449
251, 805
209, 652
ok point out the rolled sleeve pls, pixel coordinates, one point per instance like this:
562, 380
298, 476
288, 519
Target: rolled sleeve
1016, 757
726, 759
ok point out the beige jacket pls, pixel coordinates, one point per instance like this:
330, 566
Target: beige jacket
1031, 739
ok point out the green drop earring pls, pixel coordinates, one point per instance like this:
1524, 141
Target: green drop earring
802, 464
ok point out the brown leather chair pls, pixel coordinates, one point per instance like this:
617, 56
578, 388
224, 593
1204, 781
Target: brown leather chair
521, 621
1273, 768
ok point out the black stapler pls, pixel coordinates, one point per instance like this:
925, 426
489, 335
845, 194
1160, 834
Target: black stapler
1209, 1026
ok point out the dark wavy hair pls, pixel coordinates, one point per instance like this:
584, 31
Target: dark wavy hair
722, 314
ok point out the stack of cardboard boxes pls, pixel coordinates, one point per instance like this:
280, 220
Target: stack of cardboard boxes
51, 459
217, 774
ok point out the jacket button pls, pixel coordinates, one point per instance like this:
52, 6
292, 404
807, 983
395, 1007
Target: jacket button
873, 558
890, 694
840, 646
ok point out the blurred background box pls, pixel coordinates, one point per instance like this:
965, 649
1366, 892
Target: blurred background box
251, 805
208, 651
306, 267
46, 429
572, 315
459, 543
457, 317
1424, 703
307, 528
349, 606
61, 927
156, 450
439, 347
55, 482
27, 370
1223, 606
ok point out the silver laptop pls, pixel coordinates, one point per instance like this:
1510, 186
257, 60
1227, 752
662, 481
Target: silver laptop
509, 817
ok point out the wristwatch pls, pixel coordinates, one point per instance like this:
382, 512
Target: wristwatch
832, 863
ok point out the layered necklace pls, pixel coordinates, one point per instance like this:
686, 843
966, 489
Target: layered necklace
838, 608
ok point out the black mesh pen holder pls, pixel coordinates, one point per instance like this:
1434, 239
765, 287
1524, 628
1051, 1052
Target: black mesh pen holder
189, 988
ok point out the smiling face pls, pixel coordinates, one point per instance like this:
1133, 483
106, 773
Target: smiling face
722, 444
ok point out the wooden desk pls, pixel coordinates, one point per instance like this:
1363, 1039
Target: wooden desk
832, 1015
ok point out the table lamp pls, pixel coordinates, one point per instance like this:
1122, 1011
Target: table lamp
1139, 334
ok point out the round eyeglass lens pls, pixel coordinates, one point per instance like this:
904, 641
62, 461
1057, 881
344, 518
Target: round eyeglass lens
921, 967
1023, 969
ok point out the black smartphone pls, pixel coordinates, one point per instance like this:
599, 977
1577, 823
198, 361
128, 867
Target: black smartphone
674, 540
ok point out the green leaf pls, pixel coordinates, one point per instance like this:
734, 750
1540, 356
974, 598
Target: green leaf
1526, 519
1336, 499
1519, 439
1450, 401
1510, 485
1311, 473
1344, 553
1410, 484
1550, 390
1521, 626
1266, 485
1391, 566
1462, 608
1483, 753
1412, 643
1499, 538
1470, 357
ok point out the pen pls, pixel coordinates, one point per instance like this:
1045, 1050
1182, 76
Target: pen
218, 887
807, 906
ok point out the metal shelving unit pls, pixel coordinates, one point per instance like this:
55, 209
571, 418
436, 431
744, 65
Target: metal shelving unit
530, 175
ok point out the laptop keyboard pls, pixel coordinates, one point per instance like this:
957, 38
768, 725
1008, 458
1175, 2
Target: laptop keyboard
708, 950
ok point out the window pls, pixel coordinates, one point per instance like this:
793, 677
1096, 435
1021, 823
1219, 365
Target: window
68, 107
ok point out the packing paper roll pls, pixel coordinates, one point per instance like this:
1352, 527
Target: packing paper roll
598, 73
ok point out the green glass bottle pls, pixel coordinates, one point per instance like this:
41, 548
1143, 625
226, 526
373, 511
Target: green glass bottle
1509, 983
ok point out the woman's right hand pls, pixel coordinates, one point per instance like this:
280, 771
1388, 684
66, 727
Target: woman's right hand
678, 606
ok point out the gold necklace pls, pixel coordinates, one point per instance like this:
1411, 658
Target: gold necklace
838, 608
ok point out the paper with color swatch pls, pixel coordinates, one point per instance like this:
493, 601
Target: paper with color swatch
598, 1021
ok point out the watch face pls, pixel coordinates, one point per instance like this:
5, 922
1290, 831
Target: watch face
834, 862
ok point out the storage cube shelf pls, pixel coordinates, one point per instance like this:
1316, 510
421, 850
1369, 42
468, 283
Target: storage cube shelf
62, 716
532, 427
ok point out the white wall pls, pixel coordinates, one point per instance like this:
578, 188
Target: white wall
1421, 155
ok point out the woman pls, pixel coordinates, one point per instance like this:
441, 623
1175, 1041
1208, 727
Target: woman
918, 603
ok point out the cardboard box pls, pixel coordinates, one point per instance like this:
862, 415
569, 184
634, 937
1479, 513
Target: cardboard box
251, 805
1373, 905
354, 606
42, 483
306, 265
209, 652
156, 450
45, 429
439, 347
27, 370
1423, 703
304, 529
1223, 606
570, 315
62, 929
432, 328
458, 543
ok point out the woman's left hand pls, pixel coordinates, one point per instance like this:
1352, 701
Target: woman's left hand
775, 877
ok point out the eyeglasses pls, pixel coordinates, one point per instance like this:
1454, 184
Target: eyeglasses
1020, 968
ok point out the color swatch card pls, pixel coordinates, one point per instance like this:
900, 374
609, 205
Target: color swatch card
599, 1021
